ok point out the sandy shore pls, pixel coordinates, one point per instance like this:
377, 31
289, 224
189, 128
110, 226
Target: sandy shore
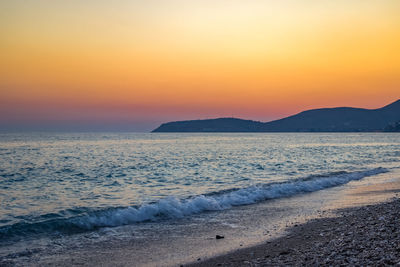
368, 235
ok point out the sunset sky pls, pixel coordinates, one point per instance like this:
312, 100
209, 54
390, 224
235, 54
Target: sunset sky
130, 65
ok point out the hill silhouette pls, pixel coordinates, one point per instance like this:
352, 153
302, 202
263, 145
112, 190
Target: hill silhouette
341, 119
394, 127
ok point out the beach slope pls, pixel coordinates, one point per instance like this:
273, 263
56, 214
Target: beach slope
361, 236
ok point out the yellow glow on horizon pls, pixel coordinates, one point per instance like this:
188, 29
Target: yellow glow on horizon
232, 54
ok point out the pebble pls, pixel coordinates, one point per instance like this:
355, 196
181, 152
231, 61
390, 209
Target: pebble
360, 237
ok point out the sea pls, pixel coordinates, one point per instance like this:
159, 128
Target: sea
170, 193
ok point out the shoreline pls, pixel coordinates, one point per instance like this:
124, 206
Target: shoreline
248, 240
366, 235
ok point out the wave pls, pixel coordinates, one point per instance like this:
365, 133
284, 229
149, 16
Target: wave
173, 207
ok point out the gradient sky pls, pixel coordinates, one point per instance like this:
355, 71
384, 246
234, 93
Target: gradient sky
130, 65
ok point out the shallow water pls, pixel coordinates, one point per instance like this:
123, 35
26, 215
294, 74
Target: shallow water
58, 185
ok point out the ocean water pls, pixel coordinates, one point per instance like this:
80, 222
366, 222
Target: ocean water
72, 183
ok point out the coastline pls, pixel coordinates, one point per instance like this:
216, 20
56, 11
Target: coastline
366, 235
253, 235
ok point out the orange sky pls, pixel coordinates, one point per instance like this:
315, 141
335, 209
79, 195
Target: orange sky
110, 63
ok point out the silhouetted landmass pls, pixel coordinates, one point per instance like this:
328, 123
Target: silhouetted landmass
395, 127
343, 119
212, 125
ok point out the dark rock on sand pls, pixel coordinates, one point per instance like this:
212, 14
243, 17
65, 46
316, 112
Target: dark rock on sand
363, 236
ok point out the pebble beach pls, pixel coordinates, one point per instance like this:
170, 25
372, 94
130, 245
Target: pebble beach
361, 236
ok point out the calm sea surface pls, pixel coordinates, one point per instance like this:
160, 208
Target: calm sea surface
72, 183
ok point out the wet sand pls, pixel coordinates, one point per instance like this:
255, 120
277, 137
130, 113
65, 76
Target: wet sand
367, 235
338, 233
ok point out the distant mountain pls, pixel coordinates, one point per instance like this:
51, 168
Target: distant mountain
394, 127
342, 119
212, 125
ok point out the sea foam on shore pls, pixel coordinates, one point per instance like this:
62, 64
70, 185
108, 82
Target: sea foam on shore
361, 236
172, 207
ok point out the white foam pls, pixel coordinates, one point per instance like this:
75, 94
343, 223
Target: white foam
173, 207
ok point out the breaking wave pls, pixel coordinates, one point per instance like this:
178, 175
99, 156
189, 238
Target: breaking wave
173, 207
